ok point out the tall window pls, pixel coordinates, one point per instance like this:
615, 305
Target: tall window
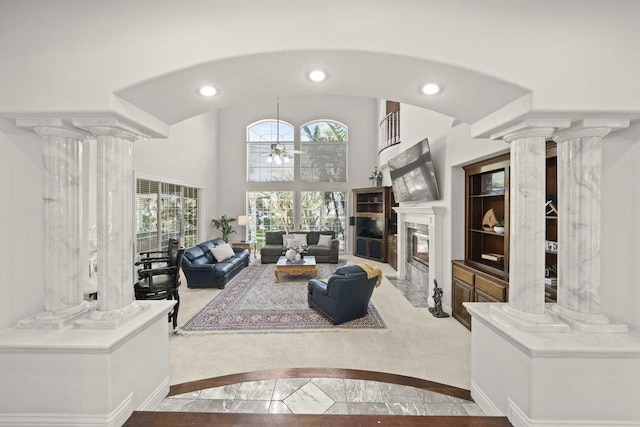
269, 211
261, 167
324, 151
324, 210
164, 211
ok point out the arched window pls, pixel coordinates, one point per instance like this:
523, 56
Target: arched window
262, 163
324, 151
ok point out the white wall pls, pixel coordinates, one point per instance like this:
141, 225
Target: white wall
154, 37
189, 156
359, 114
620, 288
21, 281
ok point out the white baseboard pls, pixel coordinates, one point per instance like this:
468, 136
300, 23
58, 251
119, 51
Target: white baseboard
115, 418
483, 401
519, 419
153, 400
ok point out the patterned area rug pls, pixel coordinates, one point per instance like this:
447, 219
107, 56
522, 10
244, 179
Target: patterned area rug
253, 302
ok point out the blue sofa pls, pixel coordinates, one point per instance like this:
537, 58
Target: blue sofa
344, 297
201, 269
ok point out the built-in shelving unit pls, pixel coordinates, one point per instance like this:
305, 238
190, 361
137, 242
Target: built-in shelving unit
483, 276
374, 220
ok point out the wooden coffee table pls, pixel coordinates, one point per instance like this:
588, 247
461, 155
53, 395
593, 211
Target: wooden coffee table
296, 268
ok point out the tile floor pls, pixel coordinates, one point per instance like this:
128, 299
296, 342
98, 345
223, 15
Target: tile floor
416, 293
320, 396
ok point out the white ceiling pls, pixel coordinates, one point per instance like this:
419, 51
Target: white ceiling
466, 95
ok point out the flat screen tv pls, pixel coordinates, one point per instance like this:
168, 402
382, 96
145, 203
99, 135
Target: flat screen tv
413, 176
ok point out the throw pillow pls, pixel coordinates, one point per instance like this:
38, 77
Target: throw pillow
222, 252
287, 239
324, 240
302, 238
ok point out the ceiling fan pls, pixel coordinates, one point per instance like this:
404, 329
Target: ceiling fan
278, 151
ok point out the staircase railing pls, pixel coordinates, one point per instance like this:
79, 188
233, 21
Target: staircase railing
390, 130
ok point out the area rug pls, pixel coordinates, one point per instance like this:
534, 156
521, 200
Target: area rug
253, 302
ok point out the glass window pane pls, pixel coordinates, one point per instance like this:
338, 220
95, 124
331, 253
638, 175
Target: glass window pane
323, 162
324, 130
324, 210
190, 216
260, 169
267, 131
269, 211
146, 215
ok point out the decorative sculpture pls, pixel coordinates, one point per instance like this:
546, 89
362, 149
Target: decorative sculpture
436, 310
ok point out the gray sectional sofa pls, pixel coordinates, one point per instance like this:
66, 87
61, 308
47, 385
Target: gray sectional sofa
274, 247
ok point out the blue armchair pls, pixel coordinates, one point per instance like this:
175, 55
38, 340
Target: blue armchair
344, 297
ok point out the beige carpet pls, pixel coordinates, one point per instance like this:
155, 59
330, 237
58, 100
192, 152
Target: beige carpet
415, 344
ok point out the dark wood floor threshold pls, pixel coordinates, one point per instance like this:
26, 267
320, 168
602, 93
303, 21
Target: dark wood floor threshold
353, 374
162, 419
172, 419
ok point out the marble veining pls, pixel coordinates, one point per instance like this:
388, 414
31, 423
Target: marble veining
527, 225
62, 209
579, 219
115, 222
309, 399
320, 396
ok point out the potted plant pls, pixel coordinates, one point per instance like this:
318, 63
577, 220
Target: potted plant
224, 225
498, 227
376, 177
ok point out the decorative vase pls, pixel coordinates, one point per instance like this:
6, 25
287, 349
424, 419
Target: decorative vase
298, 257
290, 254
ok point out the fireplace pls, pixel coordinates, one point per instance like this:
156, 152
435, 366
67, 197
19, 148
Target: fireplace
420, 247
420, 250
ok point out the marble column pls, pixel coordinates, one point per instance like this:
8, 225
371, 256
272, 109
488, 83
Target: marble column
579, 219
115, 215
527, 193
62, 206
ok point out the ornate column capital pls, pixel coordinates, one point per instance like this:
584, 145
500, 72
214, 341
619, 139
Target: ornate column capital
110, 127
52, 127
531, 128
590, 128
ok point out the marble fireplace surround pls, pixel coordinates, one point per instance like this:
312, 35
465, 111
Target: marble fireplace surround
427, 219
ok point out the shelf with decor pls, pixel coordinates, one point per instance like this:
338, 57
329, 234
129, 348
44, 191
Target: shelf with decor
551, 224
487, 192
374, 220
484, 273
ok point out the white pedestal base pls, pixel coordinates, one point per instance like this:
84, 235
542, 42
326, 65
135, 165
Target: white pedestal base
85, 377
553, 379
55, 319
589, 323
528, 322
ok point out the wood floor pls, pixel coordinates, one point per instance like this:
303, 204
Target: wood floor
148, 418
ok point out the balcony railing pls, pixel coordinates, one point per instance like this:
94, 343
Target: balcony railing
390, 130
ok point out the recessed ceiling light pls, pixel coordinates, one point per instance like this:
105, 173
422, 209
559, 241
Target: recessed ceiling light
430, 89
317, 75
208, 91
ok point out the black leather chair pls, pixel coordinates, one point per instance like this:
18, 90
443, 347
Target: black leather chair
149, 258
344, 297
162, 282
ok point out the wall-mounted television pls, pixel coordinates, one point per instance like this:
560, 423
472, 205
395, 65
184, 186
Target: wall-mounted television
413, 176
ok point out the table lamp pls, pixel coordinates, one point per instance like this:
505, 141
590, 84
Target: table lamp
244, 220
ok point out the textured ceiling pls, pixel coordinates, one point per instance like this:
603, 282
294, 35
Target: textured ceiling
466, 96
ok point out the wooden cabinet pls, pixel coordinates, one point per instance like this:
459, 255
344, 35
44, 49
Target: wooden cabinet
472, 285
487, 251
374, 221
487, 201
551, 219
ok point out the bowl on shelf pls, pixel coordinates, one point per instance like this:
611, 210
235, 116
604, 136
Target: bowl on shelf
498, 229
